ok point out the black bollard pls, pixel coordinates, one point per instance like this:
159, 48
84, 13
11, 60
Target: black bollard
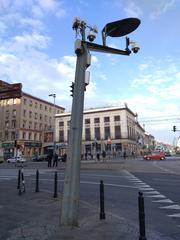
37, 181
55, 185
19, 176
142, 232
23, 180
102, 213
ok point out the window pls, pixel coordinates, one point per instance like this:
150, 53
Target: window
14, 112
87, 134
107, 133
117, 130
40, 116
24, 135
87, 121
24, 123
96, 120
30, 125
35, 115
13, 135
45, 108
116, 118
7, 113
13, 123
68, 123
30, 136
7, 124
61, 124
30, 114
30, 103
35, 136
35, 105
61, 136
97, 133
14, 100
106, 119
40, 106
24, 113
25, 101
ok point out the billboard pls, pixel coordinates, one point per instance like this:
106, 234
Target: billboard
11, 91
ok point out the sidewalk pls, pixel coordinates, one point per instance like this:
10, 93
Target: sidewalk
35, 216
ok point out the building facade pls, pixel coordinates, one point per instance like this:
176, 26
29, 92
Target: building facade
113, 129
26, 122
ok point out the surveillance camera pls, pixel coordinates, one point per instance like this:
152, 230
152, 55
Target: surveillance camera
91, 36
135, 47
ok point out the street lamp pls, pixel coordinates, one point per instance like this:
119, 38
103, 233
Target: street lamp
70, 201
54, 141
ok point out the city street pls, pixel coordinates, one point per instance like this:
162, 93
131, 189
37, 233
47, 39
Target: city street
123, 179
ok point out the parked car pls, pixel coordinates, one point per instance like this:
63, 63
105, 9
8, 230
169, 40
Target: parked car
40, 158
19, 159
155, 156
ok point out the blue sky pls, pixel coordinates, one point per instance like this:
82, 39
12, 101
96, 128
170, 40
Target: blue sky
37, 49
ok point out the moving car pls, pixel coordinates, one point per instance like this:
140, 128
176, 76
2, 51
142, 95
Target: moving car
155, 156
16, 160
40, 158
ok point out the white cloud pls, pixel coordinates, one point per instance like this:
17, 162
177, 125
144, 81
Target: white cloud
162, 8
33, 40
132, 9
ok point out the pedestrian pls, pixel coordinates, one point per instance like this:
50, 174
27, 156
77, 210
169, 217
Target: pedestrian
64, 157
49, 159
124, 154
98, 156
55, 161
104, 155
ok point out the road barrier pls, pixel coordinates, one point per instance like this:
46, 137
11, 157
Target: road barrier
21, 182
55, 185
19, 176
102, 213
142, 231
37, 181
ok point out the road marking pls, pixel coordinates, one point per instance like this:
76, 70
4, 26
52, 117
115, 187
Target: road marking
157, 196
175, 206
146, 189
153, 192
164, 201
177, 215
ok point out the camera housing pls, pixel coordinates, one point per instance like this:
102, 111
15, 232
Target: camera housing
135, 47
91, 36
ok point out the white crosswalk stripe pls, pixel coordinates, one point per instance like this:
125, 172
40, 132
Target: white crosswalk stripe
161, 199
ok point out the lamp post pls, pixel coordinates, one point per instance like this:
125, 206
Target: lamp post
54, 141
70, 201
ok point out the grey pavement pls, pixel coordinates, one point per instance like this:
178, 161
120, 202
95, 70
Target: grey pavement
36, 216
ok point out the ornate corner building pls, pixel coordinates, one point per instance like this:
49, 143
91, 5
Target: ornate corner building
26, 122
110, 129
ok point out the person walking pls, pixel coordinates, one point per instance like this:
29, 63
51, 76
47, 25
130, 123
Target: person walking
49, 159
55, 160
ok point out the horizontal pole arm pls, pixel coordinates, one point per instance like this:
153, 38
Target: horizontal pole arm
100, 48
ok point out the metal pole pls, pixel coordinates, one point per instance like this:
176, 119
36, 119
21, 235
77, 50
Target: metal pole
37, 181
55, 185
19, 176
54, 142
102, 213
70, 202
141, 217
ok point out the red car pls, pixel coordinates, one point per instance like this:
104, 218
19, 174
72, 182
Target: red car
156, 156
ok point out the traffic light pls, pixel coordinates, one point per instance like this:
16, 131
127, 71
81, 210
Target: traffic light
174, 128
72, 89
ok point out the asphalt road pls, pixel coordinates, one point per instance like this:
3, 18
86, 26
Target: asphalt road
158, 180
